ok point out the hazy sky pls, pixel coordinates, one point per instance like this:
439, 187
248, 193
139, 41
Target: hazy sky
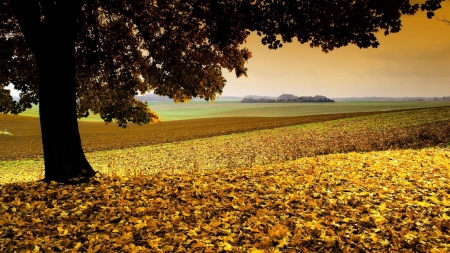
413, 62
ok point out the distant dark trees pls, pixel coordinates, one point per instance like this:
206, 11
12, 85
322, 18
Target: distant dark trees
288, 98
257, 100
441, 99
317, 98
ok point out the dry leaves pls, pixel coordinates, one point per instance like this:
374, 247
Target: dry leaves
377, 201
413, 129
407, 129
238, 193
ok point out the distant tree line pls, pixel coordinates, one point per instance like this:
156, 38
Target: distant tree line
394, 99
258, 100
441, 99
287, 98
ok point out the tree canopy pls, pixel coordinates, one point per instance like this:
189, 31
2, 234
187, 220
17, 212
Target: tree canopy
99, 54
178, 48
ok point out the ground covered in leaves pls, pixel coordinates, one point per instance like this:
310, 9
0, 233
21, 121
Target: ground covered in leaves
395, 200
405, 129
262, 191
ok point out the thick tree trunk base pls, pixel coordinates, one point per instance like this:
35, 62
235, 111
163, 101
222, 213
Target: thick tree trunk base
63, 154
77, 170
52, 41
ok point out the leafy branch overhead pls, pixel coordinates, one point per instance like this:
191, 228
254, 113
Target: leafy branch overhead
176, 48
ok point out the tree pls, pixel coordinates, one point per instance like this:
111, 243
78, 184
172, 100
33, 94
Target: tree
98, 54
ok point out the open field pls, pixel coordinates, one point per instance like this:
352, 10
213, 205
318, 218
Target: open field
26, 139
394, 130
169, 111
260, 191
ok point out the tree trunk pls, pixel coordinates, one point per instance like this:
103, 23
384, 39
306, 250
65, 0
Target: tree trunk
52, 41
63, 154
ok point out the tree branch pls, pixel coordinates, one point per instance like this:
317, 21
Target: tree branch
444, 20
141, 27
28, 15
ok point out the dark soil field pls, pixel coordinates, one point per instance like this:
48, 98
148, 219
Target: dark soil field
26, 139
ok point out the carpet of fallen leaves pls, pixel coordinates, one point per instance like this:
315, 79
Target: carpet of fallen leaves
396, 200
405, 129
261, 191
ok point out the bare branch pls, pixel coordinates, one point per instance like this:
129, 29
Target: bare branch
444, 20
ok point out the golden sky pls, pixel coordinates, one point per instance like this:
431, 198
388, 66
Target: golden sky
413, 62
